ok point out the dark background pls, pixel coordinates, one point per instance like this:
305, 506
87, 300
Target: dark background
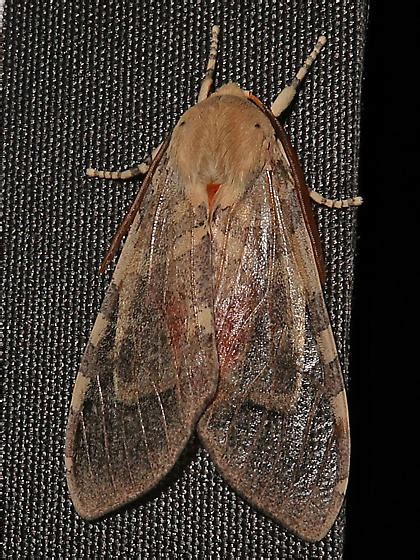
101, 83
382, 494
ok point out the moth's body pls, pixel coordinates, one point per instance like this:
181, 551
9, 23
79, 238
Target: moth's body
215, 322
224, 141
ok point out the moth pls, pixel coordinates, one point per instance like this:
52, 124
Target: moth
215, 323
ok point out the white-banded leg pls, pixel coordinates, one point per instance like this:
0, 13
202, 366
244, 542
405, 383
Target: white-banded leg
281, 103
140, 169
207, 82
336, 203
286, 96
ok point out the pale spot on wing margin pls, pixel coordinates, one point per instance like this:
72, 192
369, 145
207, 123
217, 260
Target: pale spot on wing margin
80, 388
326, 344
68, 463
341, 486
339, 406
99, 328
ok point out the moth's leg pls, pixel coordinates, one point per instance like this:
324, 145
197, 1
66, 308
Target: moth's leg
334, 203
207, 82
286, 96
140, 169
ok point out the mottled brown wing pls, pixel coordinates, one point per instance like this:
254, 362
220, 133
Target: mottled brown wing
150, 366
278, 427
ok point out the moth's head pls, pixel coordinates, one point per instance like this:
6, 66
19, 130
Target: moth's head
231, 89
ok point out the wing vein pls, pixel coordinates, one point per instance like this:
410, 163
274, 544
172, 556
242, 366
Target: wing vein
143, 431
124, 439
105, 434
85, 443
165, 425
153, 240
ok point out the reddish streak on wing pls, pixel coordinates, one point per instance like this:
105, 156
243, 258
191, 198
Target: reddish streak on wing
234, 333
212, 189
227, 351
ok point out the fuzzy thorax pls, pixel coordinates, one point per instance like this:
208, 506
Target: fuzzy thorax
222, 140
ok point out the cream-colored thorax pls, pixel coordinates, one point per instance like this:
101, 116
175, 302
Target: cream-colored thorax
223, 140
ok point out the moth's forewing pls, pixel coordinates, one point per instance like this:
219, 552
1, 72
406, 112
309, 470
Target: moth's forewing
150, 366
278, 427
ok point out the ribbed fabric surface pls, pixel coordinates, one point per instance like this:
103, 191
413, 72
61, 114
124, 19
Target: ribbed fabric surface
100, 84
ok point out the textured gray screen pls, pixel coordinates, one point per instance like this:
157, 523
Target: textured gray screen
100, 84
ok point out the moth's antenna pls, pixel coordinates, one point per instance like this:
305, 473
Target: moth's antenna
286, 96
207, 82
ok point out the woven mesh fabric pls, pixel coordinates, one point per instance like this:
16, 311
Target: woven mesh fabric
100, 84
